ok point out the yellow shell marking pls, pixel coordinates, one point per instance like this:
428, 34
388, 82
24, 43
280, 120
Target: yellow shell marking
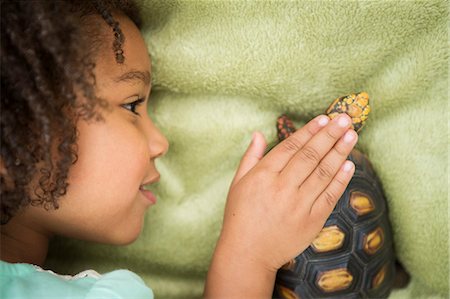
373, 241
379, 277
334, 280
329, 238
361, 203
287, 293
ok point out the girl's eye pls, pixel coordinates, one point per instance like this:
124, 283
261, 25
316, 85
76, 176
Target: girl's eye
133, 105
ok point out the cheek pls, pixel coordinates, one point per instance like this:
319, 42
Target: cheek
112, 153
104, 183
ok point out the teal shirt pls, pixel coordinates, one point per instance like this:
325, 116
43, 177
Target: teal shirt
29, 281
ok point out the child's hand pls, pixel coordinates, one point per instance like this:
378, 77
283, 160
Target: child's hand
278, 203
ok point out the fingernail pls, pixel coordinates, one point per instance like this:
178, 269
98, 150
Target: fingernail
343, 121
348, 165
323, 120
349, 136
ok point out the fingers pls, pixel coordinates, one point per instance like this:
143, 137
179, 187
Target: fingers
309, 156
282, 153
252, 156
326, 170
327, 200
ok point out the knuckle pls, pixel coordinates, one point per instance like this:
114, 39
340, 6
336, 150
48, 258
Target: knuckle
341, 150
332, 134
310, 154
291, 144
325, 171
309, 131
330, 198
341, 183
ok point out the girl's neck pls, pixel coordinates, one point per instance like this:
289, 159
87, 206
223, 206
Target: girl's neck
22, 242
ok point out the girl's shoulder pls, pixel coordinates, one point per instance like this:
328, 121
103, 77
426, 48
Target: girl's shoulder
29, 281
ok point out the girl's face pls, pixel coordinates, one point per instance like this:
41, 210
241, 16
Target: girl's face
115, 157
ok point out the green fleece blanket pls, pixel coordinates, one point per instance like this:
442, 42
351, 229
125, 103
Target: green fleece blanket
223, 69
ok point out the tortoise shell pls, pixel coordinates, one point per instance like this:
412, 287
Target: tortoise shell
352, 256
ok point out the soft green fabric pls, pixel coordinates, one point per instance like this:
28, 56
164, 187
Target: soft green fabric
222, 69
19, 281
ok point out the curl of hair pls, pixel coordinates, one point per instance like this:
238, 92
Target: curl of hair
46, 57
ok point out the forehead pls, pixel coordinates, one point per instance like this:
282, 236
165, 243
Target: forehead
137, 65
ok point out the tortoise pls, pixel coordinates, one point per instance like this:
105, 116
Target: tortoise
352, 256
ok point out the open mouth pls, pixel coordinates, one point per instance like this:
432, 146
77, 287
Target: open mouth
145, 185
147, 193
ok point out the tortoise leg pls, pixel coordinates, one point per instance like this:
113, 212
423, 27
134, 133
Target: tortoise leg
285, 127
402, 277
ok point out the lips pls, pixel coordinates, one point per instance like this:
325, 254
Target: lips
151, 181
148, 194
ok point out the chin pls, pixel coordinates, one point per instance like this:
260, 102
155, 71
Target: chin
126, 241
127, 236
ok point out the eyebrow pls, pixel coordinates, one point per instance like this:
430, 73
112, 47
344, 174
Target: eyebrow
133, 76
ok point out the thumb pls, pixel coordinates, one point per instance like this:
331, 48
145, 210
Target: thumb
252, 156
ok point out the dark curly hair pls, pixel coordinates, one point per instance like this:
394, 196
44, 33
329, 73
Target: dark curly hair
48, 51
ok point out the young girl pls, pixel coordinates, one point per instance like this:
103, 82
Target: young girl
78, 150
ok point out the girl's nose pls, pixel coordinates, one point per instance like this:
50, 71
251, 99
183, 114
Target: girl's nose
157, 142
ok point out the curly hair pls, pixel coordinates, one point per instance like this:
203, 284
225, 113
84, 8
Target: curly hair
47, 55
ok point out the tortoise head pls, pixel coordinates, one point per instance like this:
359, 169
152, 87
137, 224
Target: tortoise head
356, 105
